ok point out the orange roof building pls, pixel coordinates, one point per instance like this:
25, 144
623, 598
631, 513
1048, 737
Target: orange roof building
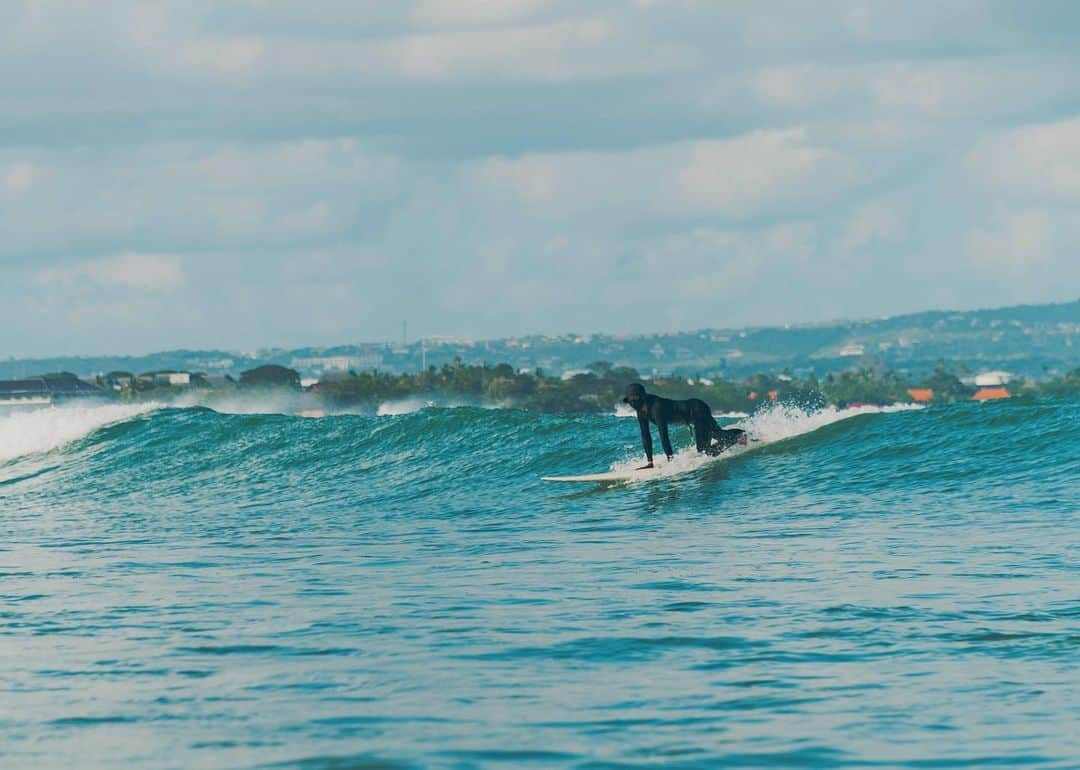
989, 394
921, 395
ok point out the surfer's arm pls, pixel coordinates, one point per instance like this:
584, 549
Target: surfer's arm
661, 425
646, 437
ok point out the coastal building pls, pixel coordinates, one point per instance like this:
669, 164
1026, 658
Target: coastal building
24, 393
67, 387
211, 364
992, 379
852, 350
117, 380
991, 394
439, 340
170, 379
338, 363
43, 391
921, 395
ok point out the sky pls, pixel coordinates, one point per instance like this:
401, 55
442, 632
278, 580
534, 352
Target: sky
254, 173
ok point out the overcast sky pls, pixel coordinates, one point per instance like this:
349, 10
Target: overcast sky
254, 173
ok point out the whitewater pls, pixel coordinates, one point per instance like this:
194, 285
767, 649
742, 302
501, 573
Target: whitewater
872, 587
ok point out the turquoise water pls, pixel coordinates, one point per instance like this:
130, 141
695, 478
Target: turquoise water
183, 588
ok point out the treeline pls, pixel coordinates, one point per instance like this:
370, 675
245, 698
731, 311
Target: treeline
598, 389
602, 386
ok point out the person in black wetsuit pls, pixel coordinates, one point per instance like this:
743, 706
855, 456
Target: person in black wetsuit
708, 436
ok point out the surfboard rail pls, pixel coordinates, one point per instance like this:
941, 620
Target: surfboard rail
609, 476
660, 471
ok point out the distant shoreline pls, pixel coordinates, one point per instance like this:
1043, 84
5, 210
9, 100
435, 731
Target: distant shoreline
596, 390
1036, 342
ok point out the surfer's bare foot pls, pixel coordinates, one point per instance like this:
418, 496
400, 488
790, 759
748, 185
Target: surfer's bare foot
644, 467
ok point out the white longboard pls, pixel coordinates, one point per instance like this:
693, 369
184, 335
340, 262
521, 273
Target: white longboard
611, 477
781, 424
683, 463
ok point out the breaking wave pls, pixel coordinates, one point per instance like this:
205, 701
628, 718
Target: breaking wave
42, 430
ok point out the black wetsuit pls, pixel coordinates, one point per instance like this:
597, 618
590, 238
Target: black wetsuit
693, 412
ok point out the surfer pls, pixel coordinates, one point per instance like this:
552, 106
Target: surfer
693, 412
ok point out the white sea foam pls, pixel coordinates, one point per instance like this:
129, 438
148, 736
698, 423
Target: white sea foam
782, 421
240, 403
763, 427
402, 406
42, 430
412, 404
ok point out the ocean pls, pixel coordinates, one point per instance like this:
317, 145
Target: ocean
185, 588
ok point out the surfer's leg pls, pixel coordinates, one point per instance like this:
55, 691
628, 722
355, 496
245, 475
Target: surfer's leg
710, 432
728, 437
702, 433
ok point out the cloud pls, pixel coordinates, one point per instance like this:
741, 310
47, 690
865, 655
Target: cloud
19, 176
758, 173
752, 173
193, 196
802, 85
320, 170
252, 46
872, 223
145, 272
466, 12
584, 48
1040, 160
706, 264
106, 312
1017, 243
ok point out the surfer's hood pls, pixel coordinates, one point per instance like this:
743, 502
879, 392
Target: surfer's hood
633, 391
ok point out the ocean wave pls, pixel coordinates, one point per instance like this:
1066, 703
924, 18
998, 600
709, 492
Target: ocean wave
376, 578
43, 430
766, 426
403, 406
783, 421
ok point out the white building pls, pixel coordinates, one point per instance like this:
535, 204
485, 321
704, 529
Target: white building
172, 378
436, 340
212, 363
338, 363
853, 349
992, 379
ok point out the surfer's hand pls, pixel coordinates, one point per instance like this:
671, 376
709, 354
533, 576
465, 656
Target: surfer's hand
643, 467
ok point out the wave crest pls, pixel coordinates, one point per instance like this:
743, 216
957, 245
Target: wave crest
42, 430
